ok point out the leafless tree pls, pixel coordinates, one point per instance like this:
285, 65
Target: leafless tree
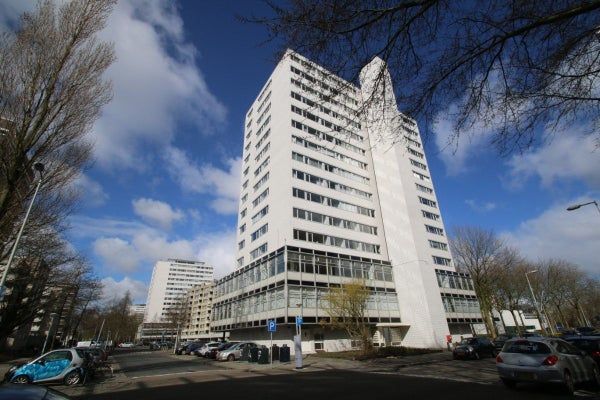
346, 307
52, 89
510, 67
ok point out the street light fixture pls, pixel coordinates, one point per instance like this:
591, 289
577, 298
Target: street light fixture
40, 168
576, 206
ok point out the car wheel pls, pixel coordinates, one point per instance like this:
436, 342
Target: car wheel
509, 383
231, 357
568, 382
72, 378
21, 379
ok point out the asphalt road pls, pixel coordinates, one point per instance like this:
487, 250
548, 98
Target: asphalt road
140, 364
345, 385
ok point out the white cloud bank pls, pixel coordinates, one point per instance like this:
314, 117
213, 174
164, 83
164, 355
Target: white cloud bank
558, 233
156, 212
113, 289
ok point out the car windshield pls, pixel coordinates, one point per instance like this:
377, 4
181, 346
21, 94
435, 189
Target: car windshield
469, 341
526, 347
225, 346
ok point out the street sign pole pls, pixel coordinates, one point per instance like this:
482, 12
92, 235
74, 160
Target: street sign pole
271, 350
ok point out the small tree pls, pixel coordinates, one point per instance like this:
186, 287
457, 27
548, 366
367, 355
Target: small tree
346, 307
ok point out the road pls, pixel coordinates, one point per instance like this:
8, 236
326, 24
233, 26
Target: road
159, 375
141, 364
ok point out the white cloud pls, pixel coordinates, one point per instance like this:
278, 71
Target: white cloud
118, 255
92, 193
480, 206
156, 82
570, 155
223, 184
558, 233
156, 212
218, 250
114, 289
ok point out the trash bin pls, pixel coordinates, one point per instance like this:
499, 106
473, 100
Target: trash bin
275, 352
245, 353
263, 355
284, 353
253, 355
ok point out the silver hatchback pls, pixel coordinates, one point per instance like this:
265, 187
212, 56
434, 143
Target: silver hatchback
544, 360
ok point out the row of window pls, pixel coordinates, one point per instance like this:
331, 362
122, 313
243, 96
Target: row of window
259, 232
434, 229
438, 245
259, 251
424, 189
412, 142
261, 153
313, 162
325, 75
414, 152
421, 176
317, 180
328, 240
441, 261
333, 221
326, 123
262, 139
430, 215
324, 110
452, 280
322, 265
342, 205
418, 164
260, 197
261, 181
259, 215
325, 136
262, 166
332, 91
263, 115
461, 305
322, 97
427, 202
328, 152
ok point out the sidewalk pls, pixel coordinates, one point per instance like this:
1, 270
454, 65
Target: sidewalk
312, 363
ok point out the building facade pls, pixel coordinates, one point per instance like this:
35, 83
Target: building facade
326, 198
199, 299
171, 279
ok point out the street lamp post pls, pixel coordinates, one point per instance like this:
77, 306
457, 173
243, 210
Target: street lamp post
40, 168
576, 206
535, 303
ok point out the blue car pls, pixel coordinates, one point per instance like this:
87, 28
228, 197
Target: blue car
65, 365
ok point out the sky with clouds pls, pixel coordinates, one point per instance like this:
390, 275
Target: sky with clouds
165, 179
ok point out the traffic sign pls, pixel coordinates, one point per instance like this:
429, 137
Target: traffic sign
299, 320
271, 326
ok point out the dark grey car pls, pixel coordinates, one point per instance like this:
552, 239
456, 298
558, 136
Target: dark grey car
545, 360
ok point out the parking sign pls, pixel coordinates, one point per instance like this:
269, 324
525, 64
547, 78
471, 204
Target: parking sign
271, 326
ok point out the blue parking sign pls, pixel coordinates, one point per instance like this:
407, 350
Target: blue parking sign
299, 320
271, 326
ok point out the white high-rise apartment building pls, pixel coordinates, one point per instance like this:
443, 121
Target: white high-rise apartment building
171, 279
197, 326
326, 197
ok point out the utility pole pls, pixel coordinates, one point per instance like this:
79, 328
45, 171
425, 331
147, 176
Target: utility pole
50, 333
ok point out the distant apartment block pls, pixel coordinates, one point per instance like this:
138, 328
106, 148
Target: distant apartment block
171, 279
199, 299
326, 199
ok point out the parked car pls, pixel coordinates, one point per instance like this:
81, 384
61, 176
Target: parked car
64, 364
234, 352
586, 330
126, 345
205, 349
11, 391
589, 344
181, 347
96, 353
500, 340
154, 346
191, 347
223, 346
545, 360
475, 347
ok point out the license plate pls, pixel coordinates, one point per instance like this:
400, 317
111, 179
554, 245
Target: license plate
525, 375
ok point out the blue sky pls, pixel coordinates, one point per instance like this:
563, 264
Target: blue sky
166, 173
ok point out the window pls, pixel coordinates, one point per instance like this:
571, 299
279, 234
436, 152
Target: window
418, 164
335, 241
262, 139
330, 184
260, 198
434, 229
441, 261
244, 198
414, 152
264, 211
241, 245
248, 146
261, 181
427, 202
326, 123
421, 176
317, 198
246, 158
246, 171
245, 184
438, 245
260, 232
329, 168
259, 251
333, 221
262, 166
430, 215
243, 213
324, 136
412, 142
58, 355
328, 152
424, 188
243, 228
262, 152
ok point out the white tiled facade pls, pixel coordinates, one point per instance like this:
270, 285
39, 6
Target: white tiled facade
171, 279
323, 188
